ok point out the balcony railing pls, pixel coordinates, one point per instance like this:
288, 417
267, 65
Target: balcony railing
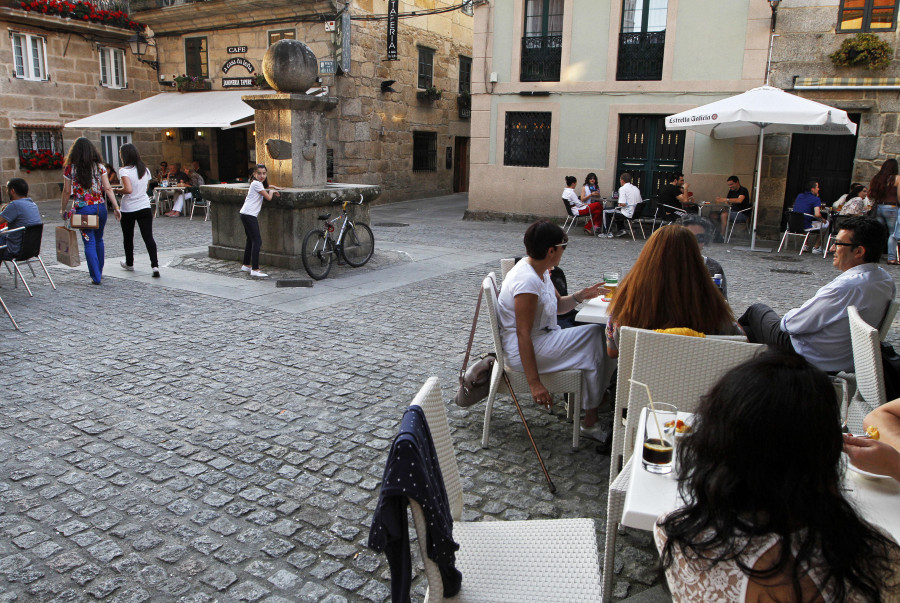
139, 5
641, 55
541, 57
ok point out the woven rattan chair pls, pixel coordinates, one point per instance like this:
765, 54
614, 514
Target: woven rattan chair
869, 374
506, 264
888, 319
561, 382
678, 370
536, 560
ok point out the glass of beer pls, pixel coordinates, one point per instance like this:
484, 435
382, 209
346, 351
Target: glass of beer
611, 282
659, 438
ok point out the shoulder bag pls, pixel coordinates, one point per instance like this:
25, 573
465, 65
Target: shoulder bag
475, 382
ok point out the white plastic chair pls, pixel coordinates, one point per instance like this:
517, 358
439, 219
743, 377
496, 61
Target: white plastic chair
869, 374
797, 228
734, 222
533, 560
678, 370
561, 382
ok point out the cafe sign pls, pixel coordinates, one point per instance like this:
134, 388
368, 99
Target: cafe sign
237, 49
238, 61
238, 82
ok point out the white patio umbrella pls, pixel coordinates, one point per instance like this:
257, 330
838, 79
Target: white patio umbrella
761, 111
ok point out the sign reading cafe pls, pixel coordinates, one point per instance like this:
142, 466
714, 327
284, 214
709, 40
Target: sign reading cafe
238, 61
392, 30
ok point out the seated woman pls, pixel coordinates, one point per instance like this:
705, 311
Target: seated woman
766, 517
855, 204
532, 341
669, 287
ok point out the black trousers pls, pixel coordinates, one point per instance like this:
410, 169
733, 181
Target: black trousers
763, 325
254, 241
144, 219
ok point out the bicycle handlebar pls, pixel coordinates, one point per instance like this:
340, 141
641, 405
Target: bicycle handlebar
337, 200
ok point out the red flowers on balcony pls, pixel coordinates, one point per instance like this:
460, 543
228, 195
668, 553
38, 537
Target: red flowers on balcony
81, 10
40, 160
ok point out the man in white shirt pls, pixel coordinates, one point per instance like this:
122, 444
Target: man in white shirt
819, 330
629, 197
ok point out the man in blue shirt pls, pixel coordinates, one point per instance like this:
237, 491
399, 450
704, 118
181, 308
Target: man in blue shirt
808, 202
21, 211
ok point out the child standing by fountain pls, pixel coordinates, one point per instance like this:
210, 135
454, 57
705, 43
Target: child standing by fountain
249, 218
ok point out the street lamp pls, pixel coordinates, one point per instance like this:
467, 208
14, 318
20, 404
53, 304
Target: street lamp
139, 45
773, 4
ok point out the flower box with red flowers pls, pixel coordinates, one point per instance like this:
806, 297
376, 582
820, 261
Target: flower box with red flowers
40, 160
80, 10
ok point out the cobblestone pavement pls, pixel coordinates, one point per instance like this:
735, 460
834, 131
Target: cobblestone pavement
163, 445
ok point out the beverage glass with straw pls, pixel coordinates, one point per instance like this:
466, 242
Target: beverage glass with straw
659, 428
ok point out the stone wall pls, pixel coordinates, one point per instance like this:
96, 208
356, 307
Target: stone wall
72, 92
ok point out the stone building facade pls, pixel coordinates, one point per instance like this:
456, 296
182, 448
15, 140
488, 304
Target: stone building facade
53, 73
380, 133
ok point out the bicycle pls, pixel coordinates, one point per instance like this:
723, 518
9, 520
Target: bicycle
355, 243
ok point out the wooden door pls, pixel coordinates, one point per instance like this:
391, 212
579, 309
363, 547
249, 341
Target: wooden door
461, 165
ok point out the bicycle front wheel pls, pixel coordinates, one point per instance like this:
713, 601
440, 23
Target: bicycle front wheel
318, 253
357, 244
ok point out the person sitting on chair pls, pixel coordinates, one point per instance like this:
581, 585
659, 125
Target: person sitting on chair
855, 203
177, 177
739, 198
808, 202
629, 197
20, 211
581, 208
674, 195
704, 230
819, 330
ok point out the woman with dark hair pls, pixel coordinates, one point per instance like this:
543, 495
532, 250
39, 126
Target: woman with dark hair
669, 287
136, 206
883, 192
532, 341
855, 203
765, 517
84, 185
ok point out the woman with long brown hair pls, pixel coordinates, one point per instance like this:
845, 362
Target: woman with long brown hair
669, 287
883, 193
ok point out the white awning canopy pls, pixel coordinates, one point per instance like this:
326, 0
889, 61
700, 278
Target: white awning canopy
216, 109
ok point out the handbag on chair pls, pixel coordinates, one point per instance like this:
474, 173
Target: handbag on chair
475, 381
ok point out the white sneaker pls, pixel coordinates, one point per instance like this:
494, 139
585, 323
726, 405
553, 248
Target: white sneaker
609, 235
245, 268
258, 274
156, 273
126, 266
804, 248
817, 250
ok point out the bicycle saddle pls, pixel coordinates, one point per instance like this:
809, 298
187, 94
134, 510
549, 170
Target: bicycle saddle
324, 216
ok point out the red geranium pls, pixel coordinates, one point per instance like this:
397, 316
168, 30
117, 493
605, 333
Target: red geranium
40, 160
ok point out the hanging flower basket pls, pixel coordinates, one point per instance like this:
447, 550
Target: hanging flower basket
81, 10
190, 83
429, 94
40, 160
863, 50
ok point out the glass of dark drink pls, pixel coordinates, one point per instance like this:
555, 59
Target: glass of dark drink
659, 438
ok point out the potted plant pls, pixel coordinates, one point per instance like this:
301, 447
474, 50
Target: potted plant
429, 94
259, 80
863, 50
40, 160
187, 83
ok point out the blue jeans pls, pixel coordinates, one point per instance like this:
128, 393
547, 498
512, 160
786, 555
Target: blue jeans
889, 213
93, 240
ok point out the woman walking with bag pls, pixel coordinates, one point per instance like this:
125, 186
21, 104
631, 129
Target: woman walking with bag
136, 206
85, 184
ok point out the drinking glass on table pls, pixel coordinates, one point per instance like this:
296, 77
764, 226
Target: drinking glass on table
659, 438
611, 282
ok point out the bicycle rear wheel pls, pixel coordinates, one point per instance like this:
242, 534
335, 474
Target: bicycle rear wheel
357, 244
317, 254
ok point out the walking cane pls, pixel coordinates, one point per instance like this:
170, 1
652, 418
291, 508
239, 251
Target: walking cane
528, 431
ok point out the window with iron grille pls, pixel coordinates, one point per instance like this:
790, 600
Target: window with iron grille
112, 67
424, 151
40, 140
526, 140
542, 42
642, 40
196, 57
867, 15
426, 67
29, 56
282, 34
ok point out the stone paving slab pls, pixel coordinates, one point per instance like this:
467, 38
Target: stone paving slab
187, 442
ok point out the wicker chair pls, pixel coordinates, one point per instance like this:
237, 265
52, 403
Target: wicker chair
506, 264
561, 382
536, 560
869, 374
678, 370
888, 319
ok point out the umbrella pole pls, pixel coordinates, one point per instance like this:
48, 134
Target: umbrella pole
762, 132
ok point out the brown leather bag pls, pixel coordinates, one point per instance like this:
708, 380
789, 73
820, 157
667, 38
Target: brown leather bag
475, 381
85, 221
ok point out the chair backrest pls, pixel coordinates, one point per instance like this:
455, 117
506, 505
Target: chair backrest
888, 319
570, 211
678, 370
866, 359
639, 210
797, 222
31, 242
506, 264
627, 337
490, 302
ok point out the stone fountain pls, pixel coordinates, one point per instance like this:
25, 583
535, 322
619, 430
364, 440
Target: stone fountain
290, 141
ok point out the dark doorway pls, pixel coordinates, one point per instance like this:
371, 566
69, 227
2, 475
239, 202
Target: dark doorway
234, 160
648, 152
461, 165
824, 158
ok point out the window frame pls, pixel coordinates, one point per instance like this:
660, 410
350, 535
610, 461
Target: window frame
107, 56
868, 6
511, 153
203, 57
110, 151
429, 155
281, 33
465, 85
26, 45
33, 135
425, 80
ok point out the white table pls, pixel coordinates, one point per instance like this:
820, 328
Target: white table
593, 311
650, 495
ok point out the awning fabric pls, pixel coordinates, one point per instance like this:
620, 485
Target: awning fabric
215, 109
846, 82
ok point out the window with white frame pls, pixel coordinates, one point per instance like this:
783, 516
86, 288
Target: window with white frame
39, 148
110, 142
29, 56
112, 67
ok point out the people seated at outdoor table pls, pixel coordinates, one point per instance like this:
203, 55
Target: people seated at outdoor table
808, 203
162, 172
739, 198
705, 232
111, 174
20, 211
533, 342
669, 287
674, 194
855, 203
583, 208
629, 197
177, 177
765, 515
819, 330
196, 179
195, 167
